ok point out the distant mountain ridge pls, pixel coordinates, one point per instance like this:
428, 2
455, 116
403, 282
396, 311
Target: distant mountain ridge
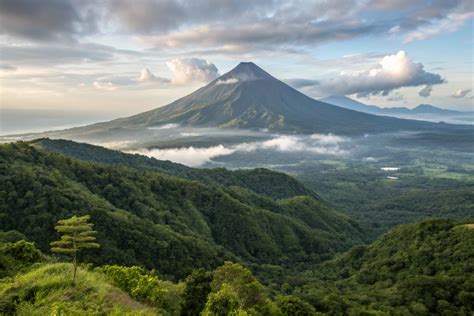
348, 103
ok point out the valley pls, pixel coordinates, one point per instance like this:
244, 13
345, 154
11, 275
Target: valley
244, 197
315, 246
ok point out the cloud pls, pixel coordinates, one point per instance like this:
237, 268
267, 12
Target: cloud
284, 143
448, 24
386, 5
392, 72
426, 91
301, 83
160, 16
47, 20
267, 25
316, 143
165, 126
58, 54
328, 139
259, 36
106, 86
191, 156
227, 81
395, 97
7, 67
461, 93
370, 159
146, 16
230, 26
147, 76
192, 70
189, 134
115, 144
45, 33
240, 26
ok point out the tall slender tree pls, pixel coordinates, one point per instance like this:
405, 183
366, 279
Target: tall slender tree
76, 234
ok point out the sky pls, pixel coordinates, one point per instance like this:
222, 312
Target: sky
112, 58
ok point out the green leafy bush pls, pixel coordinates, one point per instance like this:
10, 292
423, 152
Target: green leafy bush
223, 302
16, 256
293, 306
198, 287
146, 287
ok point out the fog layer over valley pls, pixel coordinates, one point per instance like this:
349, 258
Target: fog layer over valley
379, 179
195, 156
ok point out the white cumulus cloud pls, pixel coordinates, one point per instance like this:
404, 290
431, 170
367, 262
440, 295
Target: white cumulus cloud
461, 93
147, 76
192, 70
392, 72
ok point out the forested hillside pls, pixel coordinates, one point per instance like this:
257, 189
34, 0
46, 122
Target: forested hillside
262, 181
160, 221
44, 287
416, 269
175, 234
425, 268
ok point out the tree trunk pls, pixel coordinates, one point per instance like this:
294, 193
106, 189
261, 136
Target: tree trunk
74, 260
75, 269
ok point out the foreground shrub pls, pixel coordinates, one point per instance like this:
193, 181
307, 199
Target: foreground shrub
145, 287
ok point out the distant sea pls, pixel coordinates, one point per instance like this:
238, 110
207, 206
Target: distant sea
18, 121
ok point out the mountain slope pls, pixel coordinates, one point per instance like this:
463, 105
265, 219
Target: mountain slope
248, 97
430, 109
47, 290
351, 104
348, 103
156, 220
261, 181
425, 268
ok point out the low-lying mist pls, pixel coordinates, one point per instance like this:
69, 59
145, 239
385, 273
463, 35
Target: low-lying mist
227, 142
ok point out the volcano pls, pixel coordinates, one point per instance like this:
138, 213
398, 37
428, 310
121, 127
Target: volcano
249, 97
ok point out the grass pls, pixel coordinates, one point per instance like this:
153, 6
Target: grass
48, 290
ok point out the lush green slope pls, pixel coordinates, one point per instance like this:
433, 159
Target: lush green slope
231, 289
415, 269
47, 290
261, 181
156, 220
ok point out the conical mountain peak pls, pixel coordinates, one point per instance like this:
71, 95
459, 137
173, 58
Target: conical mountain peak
246, 71
249, 97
